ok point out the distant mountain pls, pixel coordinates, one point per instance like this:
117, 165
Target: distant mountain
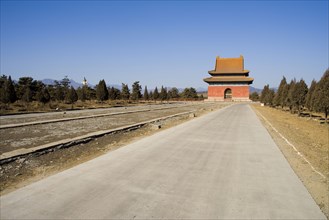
76, 84
115, 86
72, 83
48, 81
253, 89
259, 91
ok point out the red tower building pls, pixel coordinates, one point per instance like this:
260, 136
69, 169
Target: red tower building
229, 80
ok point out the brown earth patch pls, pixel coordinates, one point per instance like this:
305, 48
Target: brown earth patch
311, 139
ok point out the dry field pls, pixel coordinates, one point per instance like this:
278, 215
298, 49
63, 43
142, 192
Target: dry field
311, 141
20, 107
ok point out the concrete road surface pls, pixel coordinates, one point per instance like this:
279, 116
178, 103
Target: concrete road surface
223, 165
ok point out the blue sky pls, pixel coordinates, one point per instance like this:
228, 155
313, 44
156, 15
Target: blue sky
170, 43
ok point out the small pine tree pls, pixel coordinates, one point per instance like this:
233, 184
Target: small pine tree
290, 95
321, 95
173, 93
43, 95
59, 91
267, 95
71, 96
27, 96
23, 83
284, 96
111, 93
83, 93
163, 93
254, 96
151, 95
264, 93
8, 93
156, 94
136, 91
189, 93
299, 95
125, 92
279, 94
101, 91
146, 94
309, 100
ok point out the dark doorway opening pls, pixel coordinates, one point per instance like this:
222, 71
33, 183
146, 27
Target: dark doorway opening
228, 94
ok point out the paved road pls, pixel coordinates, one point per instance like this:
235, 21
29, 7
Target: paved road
221, 165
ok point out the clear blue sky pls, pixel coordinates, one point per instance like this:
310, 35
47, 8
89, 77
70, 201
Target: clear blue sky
170, 43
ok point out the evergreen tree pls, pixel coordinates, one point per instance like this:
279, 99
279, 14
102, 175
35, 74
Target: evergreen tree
270, 97
8, 93
71, 96
23, 84
136, 91
278, 98
114, 93
125, 92
27, 96
189, 93
111, 93
264, 93
309, 100
91, 93
117, 93
101, 91
83, 93
254, 96
285, 95
43, 95
3, 79
173, 93
65, 82
321, 95
290, 95
267, 95
151, 95
156, 94
51, 91
299, 95
59, 91
146, 94
163, 93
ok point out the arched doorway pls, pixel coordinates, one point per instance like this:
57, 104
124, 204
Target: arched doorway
228, 93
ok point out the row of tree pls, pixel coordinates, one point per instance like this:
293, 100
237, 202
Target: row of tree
27, 89
297, 96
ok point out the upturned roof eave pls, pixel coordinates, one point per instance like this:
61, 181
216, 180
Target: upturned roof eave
213, 72
249, 80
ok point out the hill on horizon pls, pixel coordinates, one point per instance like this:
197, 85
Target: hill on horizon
76, 85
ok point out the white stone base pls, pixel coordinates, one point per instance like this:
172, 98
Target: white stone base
218, 99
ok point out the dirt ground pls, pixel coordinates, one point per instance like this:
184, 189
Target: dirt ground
25, 171
37, 135
20, 107
311, 139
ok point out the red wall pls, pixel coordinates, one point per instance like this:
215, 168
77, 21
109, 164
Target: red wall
238, 92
